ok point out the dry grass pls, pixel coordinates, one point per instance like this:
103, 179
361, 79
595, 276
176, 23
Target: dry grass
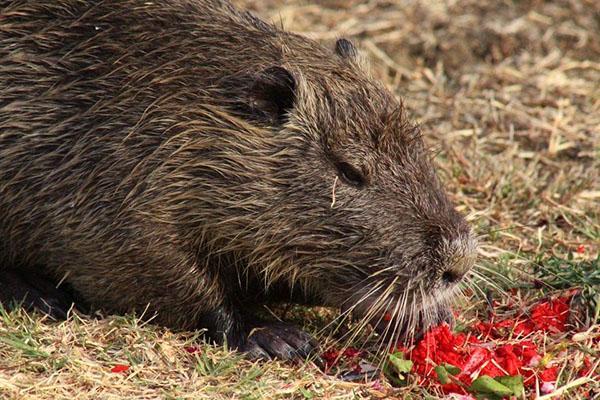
507, 92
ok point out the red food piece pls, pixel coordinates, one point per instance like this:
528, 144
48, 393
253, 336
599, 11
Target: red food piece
551, 315
526, 350
192, 349
330, 357
351, 352
509, 360
350, 357
439, 346
580, 249
501, 329
119, 368
549, 374
523, 328
476, 359
587, 366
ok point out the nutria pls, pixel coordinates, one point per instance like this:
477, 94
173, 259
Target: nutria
187, 160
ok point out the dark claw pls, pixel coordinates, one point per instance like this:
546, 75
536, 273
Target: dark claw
278, 340
254, 351
367, 372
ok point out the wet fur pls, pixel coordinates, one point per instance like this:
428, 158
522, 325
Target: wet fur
180, 157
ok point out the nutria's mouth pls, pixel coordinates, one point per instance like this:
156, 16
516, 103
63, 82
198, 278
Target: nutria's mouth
402, 322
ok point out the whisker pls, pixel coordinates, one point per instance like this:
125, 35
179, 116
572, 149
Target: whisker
373, 310
342, 317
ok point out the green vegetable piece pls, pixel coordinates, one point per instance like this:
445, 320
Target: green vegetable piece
514, 383
451, 369
306, 393
489, 387
442, 374
442, 371
399, 364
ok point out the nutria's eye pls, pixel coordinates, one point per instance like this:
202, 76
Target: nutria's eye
350, 174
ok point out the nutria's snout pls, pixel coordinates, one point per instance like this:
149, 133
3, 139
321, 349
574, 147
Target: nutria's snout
450, 247
463, 259
419, 293
459, 257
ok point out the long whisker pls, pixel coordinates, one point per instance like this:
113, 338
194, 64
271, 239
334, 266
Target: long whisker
344, 315
373, 310
477, 275
393, 337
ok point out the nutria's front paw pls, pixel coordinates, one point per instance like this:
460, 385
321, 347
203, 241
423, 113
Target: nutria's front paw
270, 340
34, 291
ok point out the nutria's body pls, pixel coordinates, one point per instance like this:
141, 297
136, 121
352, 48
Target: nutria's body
181, 157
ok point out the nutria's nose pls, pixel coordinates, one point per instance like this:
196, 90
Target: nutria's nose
452, 275
459, 257
461, 260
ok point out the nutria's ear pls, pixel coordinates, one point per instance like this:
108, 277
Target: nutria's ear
272, 94
345, 49
264, 97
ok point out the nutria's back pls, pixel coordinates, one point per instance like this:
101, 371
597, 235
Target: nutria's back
190, 158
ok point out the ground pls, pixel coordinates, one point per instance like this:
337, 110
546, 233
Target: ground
508, 96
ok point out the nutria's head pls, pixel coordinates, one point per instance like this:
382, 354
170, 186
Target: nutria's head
354, 213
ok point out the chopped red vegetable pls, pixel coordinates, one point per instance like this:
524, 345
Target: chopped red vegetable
505, 356
192, 349
119, 368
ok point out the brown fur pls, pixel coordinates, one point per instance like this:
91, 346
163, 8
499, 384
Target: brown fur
182, 154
